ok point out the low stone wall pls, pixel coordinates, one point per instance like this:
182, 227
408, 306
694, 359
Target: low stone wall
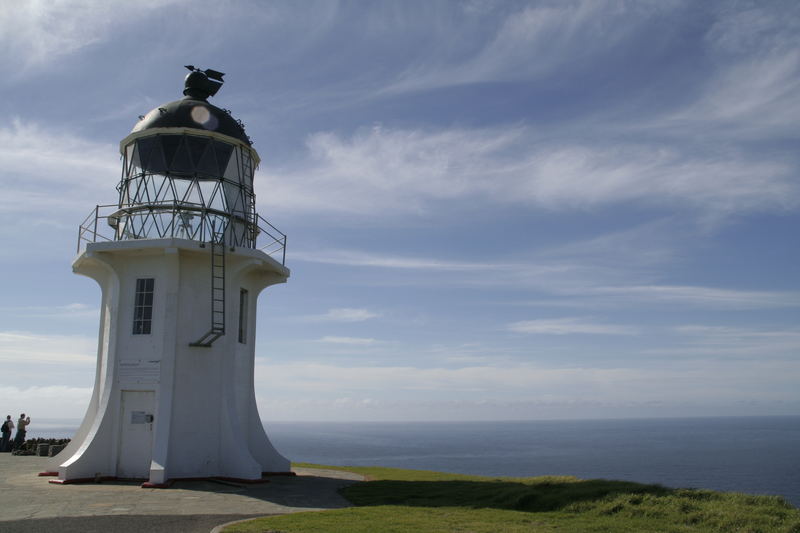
41, 447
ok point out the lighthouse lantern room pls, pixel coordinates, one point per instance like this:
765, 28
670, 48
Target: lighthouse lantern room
180, 259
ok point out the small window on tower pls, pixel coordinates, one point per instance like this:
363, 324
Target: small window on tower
143, 306
243, 316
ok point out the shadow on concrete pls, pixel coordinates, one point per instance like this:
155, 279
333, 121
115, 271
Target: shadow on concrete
290, 491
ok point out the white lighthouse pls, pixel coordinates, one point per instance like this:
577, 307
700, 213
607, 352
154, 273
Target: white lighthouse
181, 259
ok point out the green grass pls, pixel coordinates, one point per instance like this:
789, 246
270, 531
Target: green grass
417, 501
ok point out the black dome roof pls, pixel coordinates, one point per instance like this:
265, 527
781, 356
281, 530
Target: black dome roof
191, 112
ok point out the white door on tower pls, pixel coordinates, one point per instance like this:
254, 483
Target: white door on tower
135, 434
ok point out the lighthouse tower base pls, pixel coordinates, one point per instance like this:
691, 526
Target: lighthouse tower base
162, 409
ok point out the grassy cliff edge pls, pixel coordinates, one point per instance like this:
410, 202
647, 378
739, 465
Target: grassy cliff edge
395, 500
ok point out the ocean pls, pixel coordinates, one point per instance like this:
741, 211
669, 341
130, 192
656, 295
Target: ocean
756, 455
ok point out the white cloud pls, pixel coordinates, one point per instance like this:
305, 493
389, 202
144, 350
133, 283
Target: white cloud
529, 43
51, 179
26, 348
53, 170
586, 273
403, 380
493, 409
371, 259
356, 341
727, 342
767, 92
344, 314
697, 380
41, 32
69, 311
752, 87
755, 30
727, 332
709, 297
545, 273
569, 326
55, 401
388, 172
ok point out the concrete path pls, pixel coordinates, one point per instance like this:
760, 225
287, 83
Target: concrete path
29, 503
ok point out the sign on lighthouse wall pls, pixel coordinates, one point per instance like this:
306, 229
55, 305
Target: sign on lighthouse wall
180, 258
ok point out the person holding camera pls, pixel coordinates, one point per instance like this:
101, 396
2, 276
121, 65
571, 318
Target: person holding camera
22, 423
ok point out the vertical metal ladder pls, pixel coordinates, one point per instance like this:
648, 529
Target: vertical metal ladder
217, 291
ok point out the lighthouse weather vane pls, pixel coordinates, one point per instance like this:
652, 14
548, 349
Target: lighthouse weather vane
181, 258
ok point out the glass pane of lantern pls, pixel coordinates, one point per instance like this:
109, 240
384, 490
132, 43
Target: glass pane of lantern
223, 151
152, 190
139, 188
169, 143
124, 195
197, 146
232, 170
181, 162
132, 157
165, 193
128, 158
235, 198
207, 165
193, 195
142, 155
151, 155
207, 188
181, 189
247, 168
217, 200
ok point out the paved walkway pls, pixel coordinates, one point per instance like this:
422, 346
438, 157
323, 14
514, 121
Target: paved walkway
29, 503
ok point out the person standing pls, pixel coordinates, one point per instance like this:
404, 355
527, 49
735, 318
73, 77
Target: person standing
22, 423
8, 427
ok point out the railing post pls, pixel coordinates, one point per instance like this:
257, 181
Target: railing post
96, 213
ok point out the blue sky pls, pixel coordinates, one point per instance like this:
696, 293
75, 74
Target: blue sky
495, 210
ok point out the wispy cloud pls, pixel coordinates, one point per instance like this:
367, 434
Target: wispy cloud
371, 259
605, 271
26, 348
756, 83
53, 401
382, 171
493, 409
39, 33
344, 314
696, 380
709, 297
70, 170
569, 326
726, 342
584, 274
52, 172
69, 311
555, 35
356, 341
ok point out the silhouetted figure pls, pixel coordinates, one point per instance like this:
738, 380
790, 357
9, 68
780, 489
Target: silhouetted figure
8, 427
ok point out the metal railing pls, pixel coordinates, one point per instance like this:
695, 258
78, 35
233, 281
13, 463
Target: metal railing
103, 224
